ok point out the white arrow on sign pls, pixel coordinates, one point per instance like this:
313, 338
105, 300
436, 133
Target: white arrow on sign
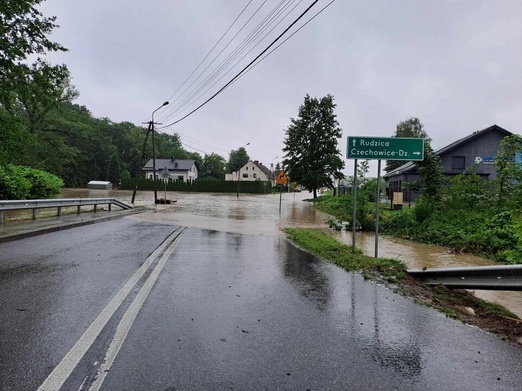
416, 153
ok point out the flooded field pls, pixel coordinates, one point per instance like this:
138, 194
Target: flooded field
268, 214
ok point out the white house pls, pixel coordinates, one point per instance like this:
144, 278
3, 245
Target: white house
172, 169
252, 171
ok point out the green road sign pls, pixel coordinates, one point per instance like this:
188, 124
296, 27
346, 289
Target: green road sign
385, 148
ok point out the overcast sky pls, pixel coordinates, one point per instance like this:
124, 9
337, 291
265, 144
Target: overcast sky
454, 64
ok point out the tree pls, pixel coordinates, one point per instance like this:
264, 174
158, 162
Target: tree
237, 159
13, 139
213, 166
432, 178
28, 93
312, 156
35, 91
23, 31
412, 127
508, 184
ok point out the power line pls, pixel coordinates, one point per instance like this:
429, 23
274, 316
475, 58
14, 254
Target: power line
245, 68
172, 110
291, 35
230, 58
211, 50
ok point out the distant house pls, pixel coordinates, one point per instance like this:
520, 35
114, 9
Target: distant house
252, 171
99, 185
478, 149
172, 169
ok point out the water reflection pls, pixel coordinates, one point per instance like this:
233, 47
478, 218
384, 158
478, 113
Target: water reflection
361, 310
259, 215
304, 270
377, 319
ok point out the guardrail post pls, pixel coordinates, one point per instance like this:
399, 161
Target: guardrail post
110, 206
95, 208
59, 213
78, 209
34, 213
1, 217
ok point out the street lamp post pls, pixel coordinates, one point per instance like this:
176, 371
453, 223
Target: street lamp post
239, 173
154, 152
272, 172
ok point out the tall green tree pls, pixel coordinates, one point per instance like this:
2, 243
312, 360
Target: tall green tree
23, 32
508, 184
28, 92
432, 176
412, 127
14, 139
214, 166
312, 157
35, 91
237, 159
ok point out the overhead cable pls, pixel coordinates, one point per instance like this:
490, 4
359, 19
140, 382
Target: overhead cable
245, 68
230, 58
172, 110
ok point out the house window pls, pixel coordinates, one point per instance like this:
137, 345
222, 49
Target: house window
181, 178
176, 165
246, 168
458, 162
245, 175
254, 175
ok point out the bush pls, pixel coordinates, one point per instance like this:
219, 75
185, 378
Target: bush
13, 186
424, 208
18, 183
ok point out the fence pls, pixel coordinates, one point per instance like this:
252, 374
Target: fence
198, 186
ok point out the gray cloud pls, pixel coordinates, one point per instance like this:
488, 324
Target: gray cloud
455, 65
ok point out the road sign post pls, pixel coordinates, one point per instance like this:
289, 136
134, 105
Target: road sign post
380, 148
385, 148
281, 180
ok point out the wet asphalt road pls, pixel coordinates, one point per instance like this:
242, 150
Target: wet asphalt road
210, 310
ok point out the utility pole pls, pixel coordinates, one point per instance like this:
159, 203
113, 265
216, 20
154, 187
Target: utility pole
141, 162
154, 178
150, 129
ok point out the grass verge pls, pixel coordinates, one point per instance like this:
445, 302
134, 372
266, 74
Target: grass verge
327, 247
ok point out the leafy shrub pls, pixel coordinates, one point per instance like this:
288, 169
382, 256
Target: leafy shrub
424, 208
17, 182
12, 184
468, 191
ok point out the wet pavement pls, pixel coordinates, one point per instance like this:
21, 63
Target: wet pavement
222, 310
256, 215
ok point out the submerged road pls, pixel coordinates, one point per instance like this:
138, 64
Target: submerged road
131, 304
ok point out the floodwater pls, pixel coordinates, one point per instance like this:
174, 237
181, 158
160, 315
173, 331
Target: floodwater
269, 214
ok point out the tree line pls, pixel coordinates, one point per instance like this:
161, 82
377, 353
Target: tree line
43, 131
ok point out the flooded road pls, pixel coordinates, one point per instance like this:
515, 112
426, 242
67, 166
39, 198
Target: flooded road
134, 305
143, 302
259, 215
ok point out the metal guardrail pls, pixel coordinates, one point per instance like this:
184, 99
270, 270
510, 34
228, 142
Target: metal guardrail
502, 278
58, 203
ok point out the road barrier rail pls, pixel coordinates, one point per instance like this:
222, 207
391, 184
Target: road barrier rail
58, 203
502, 277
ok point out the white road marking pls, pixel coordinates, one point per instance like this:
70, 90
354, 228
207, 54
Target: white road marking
128, 319
64, 369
